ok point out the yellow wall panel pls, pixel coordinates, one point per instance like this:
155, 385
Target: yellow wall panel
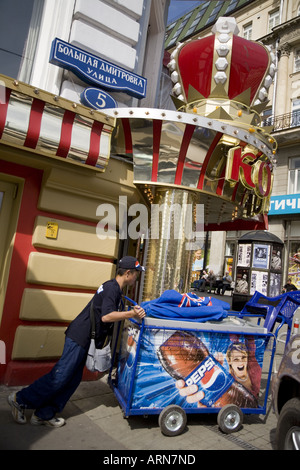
77, 238
56, 306
74, 204
67, 192
55, 270
38, 342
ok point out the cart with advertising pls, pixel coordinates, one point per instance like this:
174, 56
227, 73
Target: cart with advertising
196, 356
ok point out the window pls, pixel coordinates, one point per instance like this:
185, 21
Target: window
297, 61
179, 30
247, 31
229, 248
169, 29
273, 19
267, 117
19, 28
215, 12
295, 121
231, 6
196, 20
170, 26
294, 176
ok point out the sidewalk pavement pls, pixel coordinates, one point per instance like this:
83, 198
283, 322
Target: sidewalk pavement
95, 422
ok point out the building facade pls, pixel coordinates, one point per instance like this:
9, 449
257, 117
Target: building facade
276, 25
56, 167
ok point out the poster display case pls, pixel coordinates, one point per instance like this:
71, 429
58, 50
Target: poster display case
258, 268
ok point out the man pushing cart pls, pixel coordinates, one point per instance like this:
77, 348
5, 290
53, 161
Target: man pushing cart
193, 355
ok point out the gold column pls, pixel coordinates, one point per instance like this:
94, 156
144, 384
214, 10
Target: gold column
170, 250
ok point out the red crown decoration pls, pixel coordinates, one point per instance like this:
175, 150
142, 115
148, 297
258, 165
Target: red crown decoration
222, 76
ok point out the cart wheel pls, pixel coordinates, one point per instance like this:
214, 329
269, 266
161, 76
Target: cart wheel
230, 418
172, 420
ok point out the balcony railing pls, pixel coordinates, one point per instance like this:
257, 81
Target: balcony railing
284, 121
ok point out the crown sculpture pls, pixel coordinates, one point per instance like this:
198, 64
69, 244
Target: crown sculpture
222, 76
214, 144
226, 78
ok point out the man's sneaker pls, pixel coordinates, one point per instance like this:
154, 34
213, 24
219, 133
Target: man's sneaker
54, 422
16, 410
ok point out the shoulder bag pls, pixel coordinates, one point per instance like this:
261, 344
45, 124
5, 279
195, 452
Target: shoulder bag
98, 360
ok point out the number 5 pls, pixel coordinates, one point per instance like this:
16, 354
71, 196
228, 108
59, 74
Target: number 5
101, 97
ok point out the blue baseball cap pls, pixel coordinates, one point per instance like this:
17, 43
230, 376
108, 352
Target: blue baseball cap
129, 262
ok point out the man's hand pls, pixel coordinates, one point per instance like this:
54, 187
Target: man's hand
138, 312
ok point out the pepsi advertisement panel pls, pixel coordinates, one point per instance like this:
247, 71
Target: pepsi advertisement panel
192, 369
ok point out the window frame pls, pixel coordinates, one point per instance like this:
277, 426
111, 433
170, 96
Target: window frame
247, 31
297, 60
274, 17
294, 175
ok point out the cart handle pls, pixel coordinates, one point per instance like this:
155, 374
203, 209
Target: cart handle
134, 303
130, 300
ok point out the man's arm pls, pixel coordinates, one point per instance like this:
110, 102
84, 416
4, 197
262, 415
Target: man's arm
136, 312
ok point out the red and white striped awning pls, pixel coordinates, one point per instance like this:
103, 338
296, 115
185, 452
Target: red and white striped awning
52, 126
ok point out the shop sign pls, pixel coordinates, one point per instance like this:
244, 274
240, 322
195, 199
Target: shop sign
245, 167
285, 204
95, 70
97, 99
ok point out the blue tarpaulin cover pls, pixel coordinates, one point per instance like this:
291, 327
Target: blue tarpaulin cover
173, 305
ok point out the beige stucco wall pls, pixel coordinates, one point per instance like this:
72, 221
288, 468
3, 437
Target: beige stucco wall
63, 272
73, 237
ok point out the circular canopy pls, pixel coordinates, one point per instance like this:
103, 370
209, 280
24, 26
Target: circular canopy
261, 236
